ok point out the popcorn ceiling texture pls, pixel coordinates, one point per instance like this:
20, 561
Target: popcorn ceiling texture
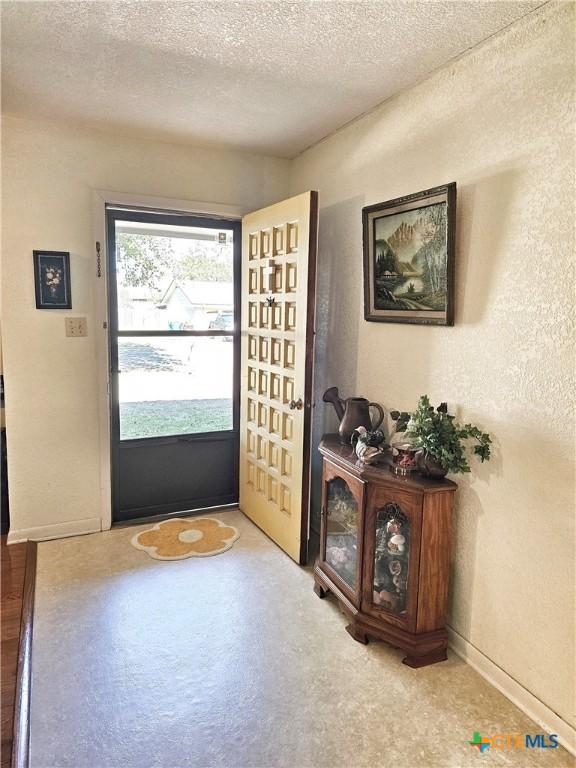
499, 122
250, 74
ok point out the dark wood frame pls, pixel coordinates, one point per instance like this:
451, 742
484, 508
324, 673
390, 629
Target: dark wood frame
65, 256
309, 376
21, 731
420, 629
122, 213
414, 201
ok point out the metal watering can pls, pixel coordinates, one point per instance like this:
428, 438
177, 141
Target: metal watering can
353, 412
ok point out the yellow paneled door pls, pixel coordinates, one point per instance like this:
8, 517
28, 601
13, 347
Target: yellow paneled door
278, 286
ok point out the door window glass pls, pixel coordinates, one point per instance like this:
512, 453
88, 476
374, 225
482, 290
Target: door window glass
173, 278
174, 385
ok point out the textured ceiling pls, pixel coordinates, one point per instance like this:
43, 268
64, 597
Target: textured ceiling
274, 77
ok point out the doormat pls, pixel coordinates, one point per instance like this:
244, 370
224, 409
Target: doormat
178, 539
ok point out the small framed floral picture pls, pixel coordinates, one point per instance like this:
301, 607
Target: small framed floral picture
52, 280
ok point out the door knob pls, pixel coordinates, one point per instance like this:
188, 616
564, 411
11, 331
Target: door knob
296, 404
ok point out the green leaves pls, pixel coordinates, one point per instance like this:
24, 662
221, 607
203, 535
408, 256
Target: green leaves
401, 418
198, 265
437, 433
143, 260
147, 260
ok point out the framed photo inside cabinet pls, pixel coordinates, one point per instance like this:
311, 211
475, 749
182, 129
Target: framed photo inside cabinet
409, 258
52, 280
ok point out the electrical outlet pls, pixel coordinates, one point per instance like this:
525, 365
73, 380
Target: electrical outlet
76, 326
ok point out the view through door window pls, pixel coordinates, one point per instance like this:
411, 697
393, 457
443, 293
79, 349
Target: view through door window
172, 280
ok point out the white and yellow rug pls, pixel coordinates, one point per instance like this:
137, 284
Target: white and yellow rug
178, 539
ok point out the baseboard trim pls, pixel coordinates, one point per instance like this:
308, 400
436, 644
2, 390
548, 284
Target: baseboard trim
518, 695
21, 726
57, 531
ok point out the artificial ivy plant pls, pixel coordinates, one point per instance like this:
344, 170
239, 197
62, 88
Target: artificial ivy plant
439, 436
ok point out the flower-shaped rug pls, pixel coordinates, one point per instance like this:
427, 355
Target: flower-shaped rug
177, 539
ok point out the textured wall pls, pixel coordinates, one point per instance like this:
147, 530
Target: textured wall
48, 175
499, 122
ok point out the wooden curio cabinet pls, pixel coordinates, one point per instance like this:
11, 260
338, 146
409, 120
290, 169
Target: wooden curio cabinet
385, 552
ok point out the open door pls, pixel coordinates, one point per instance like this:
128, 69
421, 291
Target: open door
277, 354
174, 307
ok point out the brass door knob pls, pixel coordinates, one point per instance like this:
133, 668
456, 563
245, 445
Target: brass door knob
296, 404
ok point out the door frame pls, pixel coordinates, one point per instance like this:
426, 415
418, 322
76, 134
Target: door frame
99, 260
114, 213
309, 380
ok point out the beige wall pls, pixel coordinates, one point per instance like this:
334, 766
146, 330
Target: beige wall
499, 122
48, 173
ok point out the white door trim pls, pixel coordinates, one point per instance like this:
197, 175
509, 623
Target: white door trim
101, 198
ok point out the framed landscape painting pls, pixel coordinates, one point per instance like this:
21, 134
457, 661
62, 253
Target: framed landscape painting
52, 280
409, 258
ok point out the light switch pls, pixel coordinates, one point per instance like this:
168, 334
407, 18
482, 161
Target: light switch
76, 326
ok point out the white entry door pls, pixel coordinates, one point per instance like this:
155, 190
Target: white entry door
277, 353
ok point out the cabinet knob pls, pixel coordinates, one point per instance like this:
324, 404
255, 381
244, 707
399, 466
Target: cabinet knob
296, 404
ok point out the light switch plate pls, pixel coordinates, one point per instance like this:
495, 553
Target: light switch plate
76, 326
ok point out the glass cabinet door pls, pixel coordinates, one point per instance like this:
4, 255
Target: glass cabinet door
342, 519
391, 559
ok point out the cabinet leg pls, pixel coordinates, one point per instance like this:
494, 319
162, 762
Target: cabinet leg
320, 591
423, 661
357, 634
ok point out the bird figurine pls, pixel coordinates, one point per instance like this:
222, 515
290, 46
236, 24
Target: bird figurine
367, 445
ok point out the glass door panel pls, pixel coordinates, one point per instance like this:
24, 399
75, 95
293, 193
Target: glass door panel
391, 559
174, 278
342, 530
174, 386
174, 361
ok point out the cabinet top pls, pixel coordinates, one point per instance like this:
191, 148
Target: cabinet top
344, 455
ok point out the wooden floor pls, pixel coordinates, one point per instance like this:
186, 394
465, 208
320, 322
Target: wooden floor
13, 560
